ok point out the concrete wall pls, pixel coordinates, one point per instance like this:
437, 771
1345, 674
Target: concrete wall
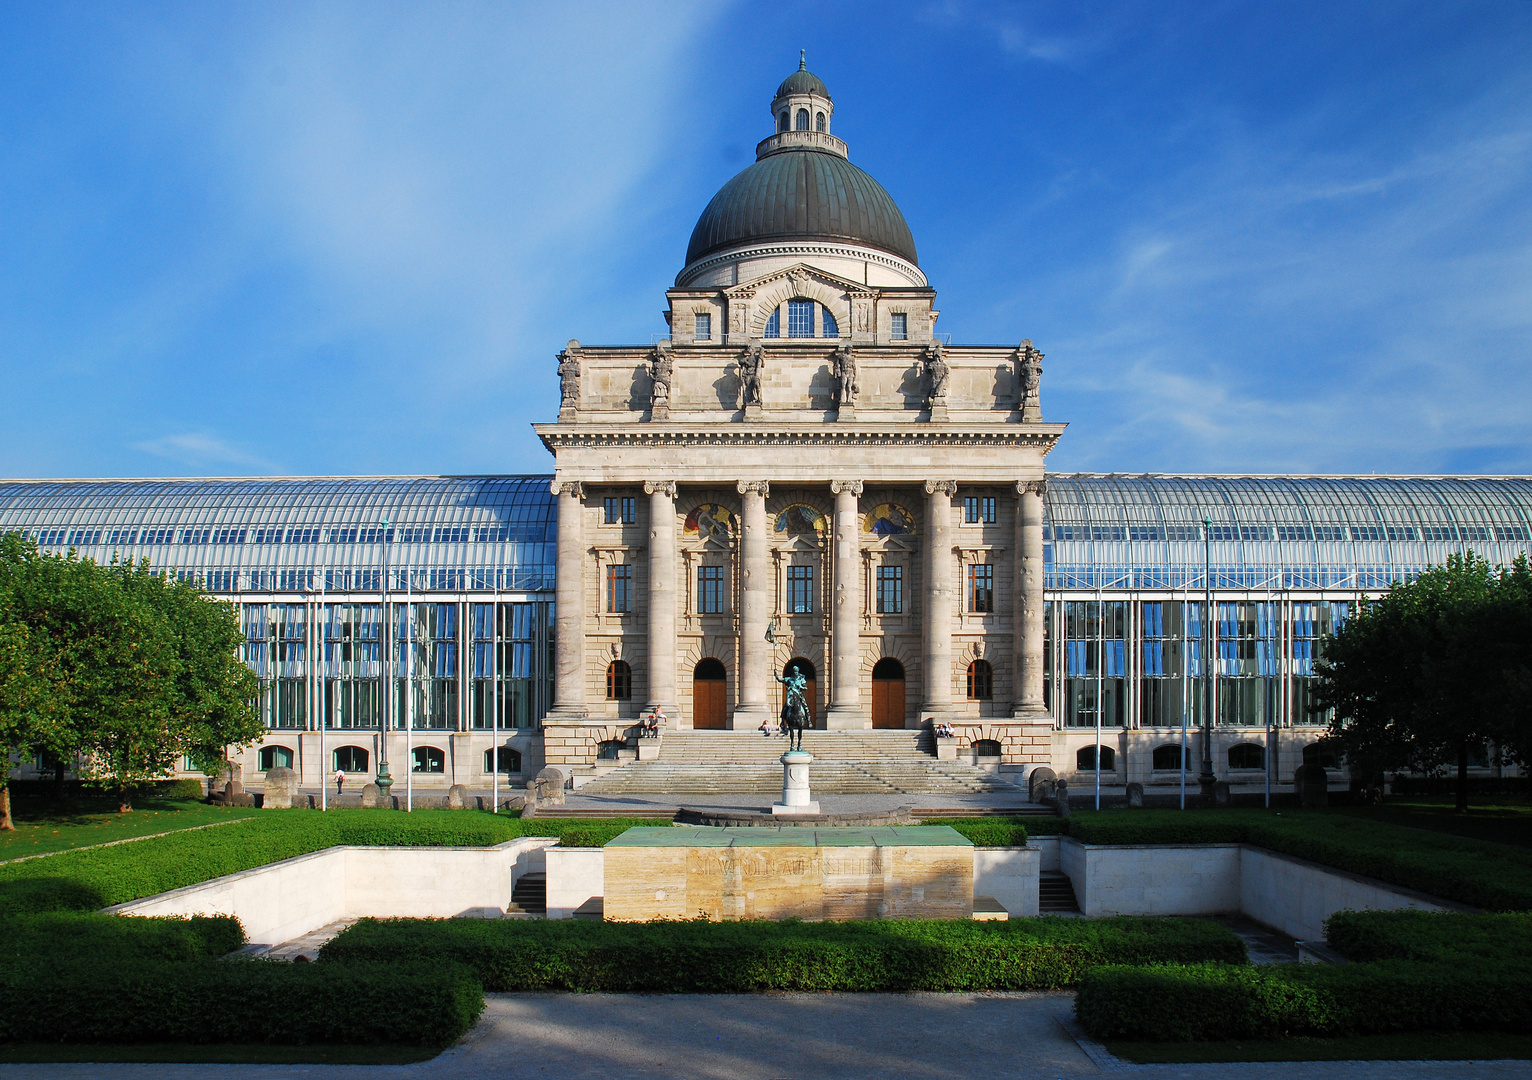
1010, 876
288, 899
575, 875
1147, 879
1297, 896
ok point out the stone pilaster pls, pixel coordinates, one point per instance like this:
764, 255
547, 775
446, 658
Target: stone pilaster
662, 601
1028, 602
937, 616
845, 638
754, 607
569, 604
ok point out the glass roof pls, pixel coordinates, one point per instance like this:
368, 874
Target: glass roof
446, 532
1359, 532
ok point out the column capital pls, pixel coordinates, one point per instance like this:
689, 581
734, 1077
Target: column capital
1032, 487
946, 487
754, 487
853, 486
660, 487
574, 488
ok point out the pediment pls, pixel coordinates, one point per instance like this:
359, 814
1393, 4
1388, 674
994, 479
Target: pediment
800, 276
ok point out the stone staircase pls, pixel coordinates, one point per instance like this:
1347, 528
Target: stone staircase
845, 763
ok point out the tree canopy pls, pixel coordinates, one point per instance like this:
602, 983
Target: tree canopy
1434, 669
118, 668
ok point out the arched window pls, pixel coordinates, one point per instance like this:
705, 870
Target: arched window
1167, 758
800, 318
774, 325
1317, 754
607, 750
803, 120
619, 681
510, 760
1247, 755
981, 681
832, 328
428, 759
1085, 760
276, 757
986, 748
782, 121
352, 759
819, 121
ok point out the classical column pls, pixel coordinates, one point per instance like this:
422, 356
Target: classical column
937, 621
1028, 603
754, 608
569, 604
845, 637
662, 600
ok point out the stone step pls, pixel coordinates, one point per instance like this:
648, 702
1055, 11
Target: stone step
1056, 893
529, 897
927, 777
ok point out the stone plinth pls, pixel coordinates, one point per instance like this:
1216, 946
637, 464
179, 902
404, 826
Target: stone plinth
899, 872
796, 797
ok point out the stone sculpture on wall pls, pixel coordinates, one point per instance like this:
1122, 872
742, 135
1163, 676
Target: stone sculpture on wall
1029, 377
569, 379
843, 369
750, 363
661, 367
937, 373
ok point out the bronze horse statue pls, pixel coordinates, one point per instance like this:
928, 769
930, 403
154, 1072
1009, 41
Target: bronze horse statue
795, 710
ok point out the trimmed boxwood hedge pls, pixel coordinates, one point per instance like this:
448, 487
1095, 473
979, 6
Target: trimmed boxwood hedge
1432, 936
1213, 1002
740, 957
59, 937
112, 999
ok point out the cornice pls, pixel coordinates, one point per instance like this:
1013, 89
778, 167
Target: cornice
558, 436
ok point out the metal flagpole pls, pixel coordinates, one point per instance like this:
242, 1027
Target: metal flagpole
1186, 680
324, 790
386, 648
1100, 666
494, 690
409, 693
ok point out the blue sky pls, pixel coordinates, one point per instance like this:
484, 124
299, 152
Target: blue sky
349, 238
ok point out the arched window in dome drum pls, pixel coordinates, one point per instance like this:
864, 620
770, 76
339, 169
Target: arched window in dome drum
803, 120
819, 121
800, 318
832, 328
773, 325
782, 121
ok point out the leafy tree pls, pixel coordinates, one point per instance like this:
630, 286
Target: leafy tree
24, 704
1417, 678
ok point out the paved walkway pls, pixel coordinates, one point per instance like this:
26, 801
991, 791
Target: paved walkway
779, 1037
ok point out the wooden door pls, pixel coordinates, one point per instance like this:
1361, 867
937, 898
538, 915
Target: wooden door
888, 694
709, 709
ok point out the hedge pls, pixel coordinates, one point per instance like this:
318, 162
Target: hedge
131, 1000
98, 877
1432, 936
741, 957
63, 936
989, 832
1215, 1002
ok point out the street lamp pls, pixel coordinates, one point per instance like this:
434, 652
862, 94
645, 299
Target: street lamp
1206, 780
384, 781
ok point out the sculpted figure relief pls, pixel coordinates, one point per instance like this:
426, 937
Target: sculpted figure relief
843, 368
1029, 373
660, 367
937, 373
750, 364
569, 376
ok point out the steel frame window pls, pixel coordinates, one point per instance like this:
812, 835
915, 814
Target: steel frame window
619, 588
710, 590
800, 590
890, 592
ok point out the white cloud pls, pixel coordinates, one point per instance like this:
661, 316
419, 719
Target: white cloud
198, 449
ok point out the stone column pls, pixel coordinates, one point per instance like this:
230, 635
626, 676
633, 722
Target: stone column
569, 604
1028, 601
754, 608
937, 617
845, 636
662, 601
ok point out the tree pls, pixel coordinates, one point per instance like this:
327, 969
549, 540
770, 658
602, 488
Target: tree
1417, 677
24, 704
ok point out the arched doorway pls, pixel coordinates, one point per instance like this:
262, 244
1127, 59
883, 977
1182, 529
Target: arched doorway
888, 693
709, 681
810, 692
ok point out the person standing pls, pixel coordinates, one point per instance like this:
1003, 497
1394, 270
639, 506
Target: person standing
340, 781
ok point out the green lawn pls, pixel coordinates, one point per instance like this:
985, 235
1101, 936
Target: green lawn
235, 1054
1416, 1046
1504, 820
46, 825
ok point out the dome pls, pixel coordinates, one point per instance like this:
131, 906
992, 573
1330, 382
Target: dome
803, 81
800, 195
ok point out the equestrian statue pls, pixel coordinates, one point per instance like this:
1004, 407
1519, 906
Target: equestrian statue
795, 710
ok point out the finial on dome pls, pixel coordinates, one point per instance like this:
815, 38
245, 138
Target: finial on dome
803, 59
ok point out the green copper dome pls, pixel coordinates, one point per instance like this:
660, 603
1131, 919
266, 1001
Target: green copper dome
802, 195
803, 81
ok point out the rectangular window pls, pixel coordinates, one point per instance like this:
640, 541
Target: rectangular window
981, 587
979, 508
704, 331
619, 588
800, 318
899, 326
890, 590
800, 590
621, 510
710, 590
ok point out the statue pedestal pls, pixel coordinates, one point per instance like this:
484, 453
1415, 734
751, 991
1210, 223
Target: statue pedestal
796, 798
